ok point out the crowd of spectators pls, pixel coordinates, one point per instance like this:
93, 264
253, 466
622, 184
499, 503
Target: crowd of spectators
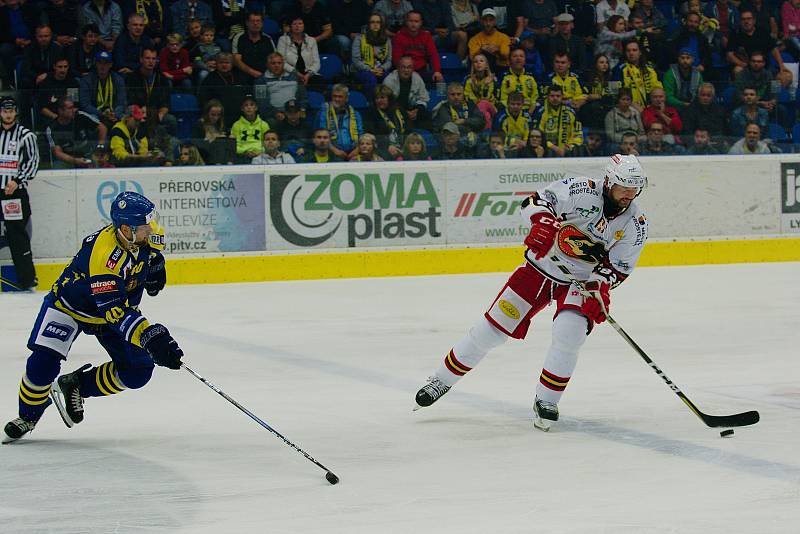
532, 78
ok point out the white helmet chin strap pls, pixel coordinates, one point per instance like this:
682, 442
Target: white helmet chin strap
130, 244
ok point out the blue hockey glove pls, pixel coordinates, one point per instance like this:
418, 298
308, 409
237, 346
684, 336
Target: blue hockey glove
156, 276
165, 351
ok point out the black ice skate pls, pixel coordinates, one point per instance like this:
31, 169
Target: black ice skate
17, 428
430, 392
66, 395
544, 414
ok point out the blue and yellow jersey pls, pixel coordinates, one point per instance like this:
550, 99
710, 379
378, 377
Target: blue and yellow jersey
571, 86
513, 128
104, 283
524, 83
561, 126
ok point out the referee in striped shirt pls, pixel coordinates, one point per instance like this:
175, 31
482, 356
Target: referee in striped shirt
19, 161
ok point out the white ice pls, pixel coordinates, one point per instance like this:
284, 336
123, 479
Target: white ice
334, 366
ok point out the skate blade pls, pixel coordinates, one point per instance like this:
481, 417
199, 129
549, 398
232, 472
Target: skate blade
542, 424
56, 395
416, 407
8, 439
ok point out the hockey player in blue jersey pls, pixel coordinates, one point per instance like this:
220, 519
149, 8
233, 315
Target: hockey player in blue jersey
99, 294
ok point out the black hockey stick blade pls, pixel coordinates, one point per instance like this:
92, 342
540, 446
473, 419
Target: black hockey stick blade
716, 421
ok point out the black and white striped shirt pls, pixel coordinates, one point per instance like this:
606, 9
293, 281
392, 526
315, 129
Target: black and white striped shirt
19, 155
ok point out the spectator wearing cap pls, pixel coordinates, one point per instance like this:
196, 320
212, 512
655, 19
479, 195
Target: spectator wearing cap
682, 80
372, 54
101, 157
417, 43
450, 146
128, 140
82, 52
691, 39
59, 83
73, 135
129, 46
252, 47
409, 90
277, 87
107, 16
510, 15
249, 130
272, 155
564, 41
102, 92
394, 13
342, 121
491, 42
294, 131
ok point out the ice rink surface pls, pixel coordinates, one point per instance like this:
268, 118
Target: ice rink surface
334, 365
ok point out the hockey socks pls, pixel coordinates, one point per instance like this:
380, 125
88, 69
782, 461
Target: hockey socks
469, 351
33, 399
569, 334
101, 381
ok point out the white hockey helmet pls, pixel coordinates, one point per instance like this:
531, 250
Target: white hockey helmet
625, 171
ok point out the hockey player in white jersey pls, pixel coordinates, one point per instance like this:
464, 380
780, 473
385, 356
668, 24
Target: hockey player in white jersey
597, 231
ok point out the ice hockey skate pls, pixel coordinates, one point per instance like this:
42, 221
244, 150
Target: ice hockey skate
66, 395
17, 429
544, 414
430, 392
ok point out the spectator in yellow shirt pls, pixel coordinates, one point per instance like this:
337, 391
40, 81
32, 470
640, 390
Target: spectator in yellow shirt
494, 44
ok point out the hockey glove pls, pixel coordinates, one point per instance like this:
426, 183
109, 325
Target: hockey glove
156, 276
165, 351
595, 307
543, 233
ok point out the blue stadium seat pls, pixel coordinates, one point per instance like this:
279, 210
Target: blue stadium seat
776, 133
431, 142
358, 100
272, 28
315, 99
728, 95
435, 99
452, 68
796, 133
186, 109
183, 103
330, 66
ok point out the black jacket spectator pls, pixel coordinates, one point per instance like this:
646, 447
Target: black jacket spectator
229, 88
709, 117
38, 60
62, 16
152, 93
57, 84
348, 17
81, 53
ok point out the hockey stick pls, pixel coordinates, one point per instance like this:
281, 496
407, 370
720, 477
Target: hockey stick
10, 283
713, 421
329, 476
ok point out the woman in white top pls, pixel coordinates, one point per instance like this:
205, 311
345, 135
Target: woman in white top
300, 54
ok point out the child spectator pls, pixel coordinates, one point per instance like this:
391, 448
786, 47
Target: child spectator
174, 62
479, 88
249, 130
272, 154
414, 148
101, 157
189, 156
203, 54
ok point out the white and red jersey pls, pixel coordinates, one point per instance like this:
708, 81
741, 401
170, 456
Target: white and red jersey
592, 246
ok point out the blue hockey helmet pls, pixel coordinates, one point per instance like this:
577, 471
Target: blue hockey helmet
132, 209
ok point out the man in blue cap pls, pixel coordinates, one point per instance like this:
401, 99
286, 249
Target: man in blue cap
682, 80
102, 92
99, 294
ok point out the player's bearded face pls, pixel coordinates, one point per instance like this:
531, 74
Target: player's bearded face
621, 196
